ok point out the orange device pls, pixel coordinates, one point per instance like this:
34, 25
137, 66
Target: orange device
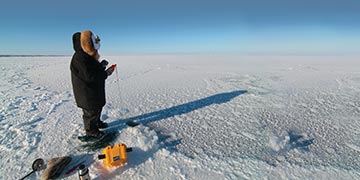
115, 155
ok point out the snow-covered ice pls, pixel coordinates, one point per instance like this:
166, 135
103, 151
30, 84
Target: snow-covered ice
202, 116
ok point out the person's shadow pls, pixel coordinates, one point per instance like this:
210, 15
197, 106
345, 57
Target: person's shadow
180, 109
142, 156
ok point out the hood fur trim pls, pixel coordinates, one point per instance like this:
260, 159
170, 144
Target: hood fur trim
87, 44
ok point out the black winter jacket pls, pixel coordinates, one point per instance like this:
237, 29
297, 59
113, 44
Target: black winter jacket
87, 77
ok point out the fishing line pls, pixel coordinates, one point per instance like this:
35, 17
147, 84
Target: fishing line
122, 110
118, 84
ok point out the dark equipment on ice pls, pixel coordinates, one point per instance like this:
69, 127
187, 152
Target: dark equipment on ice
84, 173
36, 166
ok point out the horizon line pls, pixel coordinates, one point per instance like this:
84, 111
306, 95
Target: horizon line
32, 55
192, 53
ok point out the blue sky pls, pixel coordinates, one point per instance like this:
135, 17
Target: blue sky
323, 27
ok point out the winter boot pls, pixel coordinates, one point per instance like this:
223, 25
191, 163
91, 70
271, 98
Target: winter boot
95, 134
102, 125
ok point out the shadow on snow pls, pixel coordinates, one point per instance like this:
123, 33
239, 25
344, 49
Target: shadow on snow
165, 140
181, 109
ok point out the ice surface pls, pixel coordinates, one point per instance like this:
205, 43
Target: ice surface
202, 117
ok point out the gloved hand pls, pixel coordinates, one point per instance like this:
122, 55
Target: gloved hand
104, 63
111, 69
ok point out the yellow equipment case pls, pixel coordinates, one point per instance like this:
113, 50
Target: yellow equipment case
115, 155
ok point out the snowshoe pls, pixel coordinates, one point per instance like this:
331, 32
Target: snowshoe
92, 143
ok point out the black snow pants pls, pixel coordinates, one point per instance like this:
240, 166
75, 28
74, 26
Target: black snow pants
91, 119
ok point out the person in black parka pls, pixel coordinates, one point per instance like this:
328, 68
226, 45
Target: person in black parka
88, 77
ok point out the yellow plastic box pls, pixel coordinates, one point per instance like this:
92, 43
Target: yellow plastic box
115, 155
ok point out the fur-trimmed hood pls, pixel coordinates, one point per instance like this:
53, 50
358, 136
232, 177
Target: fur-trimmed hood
76, 41
87, 44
